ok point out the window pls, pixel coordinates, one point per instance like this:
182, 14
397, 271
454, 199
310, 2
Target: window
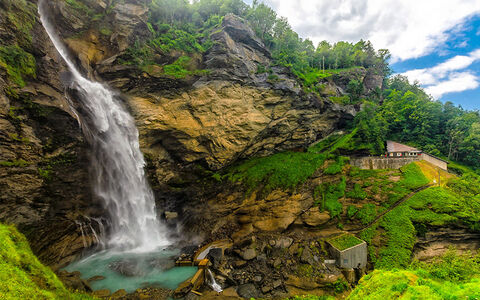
399, 154
345, 261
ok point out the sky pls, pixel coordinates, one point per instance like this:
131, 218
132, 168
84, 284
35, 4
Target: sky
436, 42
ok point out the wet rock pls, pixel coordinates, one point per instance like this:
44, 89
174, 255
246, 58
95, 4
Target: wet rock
215, 255
73, 281
171, 217
239, 263
129, 268
191, 296
277, 262
119, 294
277, 283
101, 293
229, 292
307, 256
284, 242
349, 275
249, 254
266, 288
96, 278
248, 291
162, 263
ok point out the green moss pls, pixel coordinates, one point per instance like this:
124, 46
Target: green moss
21, 16
22, 276
20, 65
79, 7
344, 241
14, 163
45, 173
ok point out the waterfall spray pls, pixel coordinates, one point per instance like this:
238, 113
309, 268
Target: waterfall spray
117, 163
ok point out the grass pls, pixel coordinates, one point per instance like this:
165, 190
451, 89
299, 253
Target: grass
344, 241
436, 206
357, 192
336, 166
22, 276
281, 170
448, 277
367, 213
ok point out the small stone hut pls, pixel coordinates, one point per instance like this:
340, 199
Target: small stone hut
348, 251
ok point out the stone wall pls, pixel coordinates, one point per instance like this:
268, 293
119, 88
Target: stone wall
374, 163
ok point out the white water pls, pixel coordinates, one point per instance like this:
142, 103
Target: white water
215, 286
117, 163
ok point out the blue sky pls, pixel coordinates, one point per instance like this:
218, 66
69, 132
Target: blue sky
436, 42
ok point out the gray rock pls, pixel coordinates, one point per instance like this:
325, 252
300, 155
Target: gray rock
284, 242
248, 291
277, 283
249, 254
307, 256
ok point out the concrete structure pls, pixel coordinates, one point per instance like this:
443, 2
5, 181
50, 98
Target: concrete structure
442, 164
395, 149
397, 156
351, 257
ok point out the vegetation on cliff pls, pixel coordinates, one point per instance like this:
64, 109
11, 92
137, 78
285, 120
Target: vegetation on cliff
22, 276
451, 276
178, 25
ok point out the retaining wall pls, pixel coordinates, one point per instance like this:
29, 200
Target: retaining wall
374, 163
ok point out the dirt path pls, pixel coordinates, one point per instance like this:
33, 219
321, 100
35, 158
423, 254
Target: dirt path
405, 198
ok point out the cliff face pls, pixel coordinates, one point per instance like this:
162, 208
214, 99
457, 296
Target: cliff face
43, 156
210, 119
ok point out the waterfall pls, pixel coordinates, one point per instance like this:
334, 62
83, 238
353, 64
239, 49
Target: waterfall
117, 163
215, 286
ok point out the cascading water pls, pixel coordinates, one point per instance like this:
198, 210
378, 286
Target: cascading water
215, 286
135, 254
117, 163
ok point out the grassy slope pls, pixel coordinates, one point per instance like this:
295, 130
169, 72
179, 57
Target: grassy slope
451, 276
22, 276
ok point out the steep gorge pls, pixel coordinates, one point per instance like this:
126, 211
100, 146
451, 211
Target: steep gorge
199, 134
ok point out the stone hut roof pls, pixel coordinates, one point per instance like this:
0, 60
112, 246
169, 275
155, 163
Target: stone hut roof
397, 147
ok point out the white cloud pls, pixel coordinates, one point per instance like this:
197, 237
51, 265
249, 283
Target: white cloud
456, 82
408, 28
445, 77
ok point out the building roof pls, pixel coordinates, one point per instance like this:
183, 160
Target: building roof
397, 147
344, 241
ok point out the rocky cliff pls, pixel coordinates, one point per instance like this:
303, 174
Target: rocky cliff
188, 126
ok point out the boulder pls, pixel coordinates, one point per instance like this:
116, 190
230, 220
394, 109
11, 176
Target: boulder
249, 254
248, 291
313, 217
